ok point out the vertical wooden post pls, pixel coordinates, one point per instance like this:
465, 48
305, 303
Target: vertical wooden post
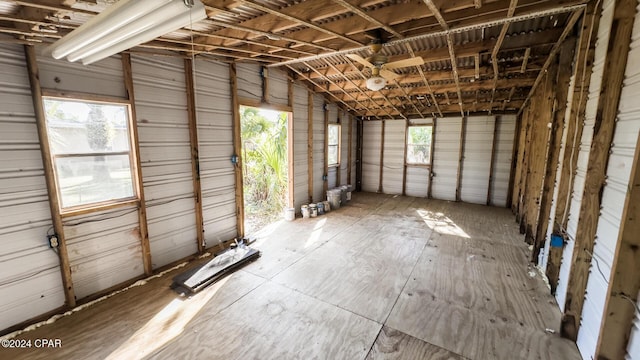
359, 135
514, 159
523, 135
325, 175
264, 75
142, 207
195, 152
338, 168
625, 282
290, 146
310, 144
52, 190
431, 157
463, 135
350, 150
555, 142
493, 157
404, 161
237, 149
615, 65
380, 189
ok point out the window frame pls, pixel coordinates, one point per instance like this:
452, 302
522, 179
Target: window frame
338, 145
132, 155
407, 144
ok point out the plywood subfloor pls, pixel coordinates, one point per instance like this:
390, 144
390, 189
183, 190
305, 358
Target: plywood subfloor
386, 277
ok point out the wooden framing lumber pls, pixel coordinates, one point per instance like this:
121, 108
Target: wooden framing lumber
431, 167
493, 157
325, 172
382, 131
52, 191
463, 133
350, 149
310, 144
195, 152
290, 147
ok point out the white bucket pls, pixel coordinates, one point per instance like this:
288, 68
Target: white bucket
290, 214
313, 210
343, 196
333, 196
327, 206
304, 209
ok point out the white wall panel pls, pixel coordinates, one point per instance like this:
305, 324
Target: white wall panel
215, 137
300, 148
621, 158
333, 170
503, 159
372, 135
30, 282
249, 81
477, 159
278, 87
585, 146
417, 181
445, 158
318, 148
344, 146
165, 155
393, 156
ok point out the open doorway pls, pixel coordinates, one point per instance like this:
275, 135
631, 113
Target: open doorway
265, 154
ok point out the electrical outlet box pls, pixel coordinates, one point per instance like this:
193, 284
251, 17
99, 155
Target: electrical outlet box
53, 241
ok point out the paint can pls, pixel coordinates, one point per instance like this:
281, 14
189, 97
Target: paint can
313, 210
290, 214
327, 206
320, 207
333, 196
304, 209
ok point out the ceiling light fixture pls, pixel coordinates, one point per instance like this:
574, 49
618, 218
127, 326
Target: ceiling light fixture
124, 25
376, 83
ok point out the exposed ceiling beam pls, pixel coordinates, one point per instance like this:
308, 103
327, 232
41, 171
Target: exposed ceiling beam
496, 48
424, 79
358, 11
525, 60
316, 86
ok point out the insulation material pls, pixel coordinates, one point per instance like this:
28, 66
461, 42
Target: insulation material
393, 165
215, 138
417, 181
371, 137
165, 156
585, 147
477, 159
446, 154
318, 148
96, 264
620, 163
30, 282
503, 159
300, 148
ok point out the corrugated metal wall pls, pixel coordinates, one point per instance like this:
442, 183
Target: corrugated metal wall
30, 282
393, 164
215, 138
371, 137
165, 156
318, 147
585, 147
249, 81
445, 158
278, 87
104, 250
344, 146
476, 159
621, 158
503, 159
333, 170
300, 148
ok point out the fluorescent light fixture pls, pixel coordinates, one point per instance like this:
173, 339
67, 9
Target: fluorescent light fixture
376, 83
124, 25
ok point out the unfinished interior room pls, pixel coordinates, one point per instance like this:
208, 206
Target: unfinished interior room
320, 179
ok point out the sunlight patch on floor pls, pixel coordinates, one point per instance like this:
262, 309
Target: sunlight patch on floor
165, 325
441, 224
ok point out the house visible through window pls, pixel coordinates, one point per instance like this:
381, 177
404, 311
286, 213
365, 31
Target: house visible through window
419, 145
334, 144
91, 152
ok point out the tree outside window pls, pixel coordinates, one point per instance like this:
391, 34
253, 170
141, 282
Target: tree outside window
419, 145
334, 145
91, 152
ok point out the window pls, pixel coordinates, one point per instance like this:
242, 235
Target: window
334, 144
419, 145
91, 152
